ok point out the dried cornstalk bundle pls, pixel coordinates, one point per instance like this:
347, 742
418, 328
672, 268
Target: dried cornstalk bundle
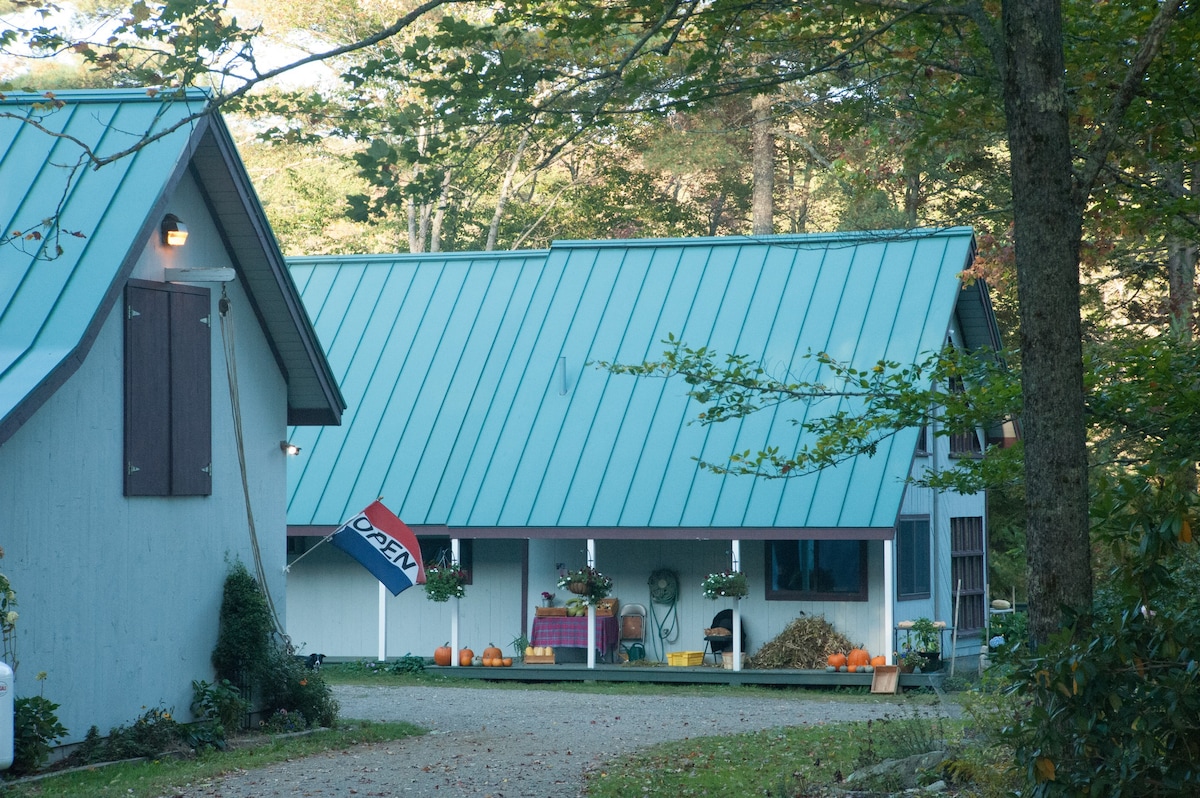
806, 643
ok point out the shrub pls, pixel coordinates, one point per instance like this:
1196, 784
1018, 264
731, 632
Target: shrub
245, 631
221, 702
35, 728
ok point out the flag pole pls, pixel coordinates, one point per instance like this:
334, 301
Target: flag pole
454, 556
737, 610
382, 622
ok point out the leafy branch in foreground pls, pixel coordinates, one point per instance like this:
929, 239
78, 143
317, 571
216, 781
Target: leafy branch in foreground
963, 391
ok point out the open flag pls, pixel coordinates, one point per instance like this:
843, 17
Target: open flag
385, 546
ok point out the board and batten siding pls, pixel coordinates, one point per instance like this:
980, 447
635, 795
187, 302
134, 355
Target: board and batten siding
119, 597
333, 605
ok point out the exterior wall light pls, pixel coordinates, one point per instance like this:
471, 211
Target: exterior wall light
289, 448
174, 232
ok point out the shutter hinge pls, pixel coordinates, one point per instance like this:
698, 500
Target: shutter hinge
130, 312
207, 469
132, 469
207, 321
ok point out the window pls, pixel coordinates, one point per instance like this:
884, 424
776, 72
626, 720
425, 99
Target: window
436, 550
816, 570
912, 558
966, 569
923, 440
168, 390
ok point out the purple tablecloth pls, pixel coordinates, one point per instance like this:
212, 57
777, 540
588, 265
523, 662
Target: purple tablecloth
572, 632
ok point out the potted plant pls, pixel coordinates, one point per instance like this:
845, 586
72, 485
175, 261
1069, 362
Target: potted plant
909, 660
547, 598
926, 636
444, 582
731, 584
587, 582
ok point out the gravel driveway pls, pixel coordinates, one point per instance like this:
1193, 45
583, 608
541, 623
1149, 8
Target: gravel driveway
509, 743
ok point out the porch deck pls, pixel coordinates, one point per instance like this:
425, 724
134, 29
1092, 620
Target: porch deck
669, 674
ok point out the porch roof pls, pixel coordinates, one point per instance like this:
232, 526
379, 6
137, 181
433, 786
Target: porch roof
473, 404
82, 229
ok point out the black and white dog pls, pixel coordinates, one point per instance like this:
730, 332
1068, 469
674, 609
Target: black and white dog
314, 662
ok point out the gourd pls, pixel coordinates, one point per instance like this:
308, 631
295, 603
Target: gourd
441, 655
529, 652
836, 660
857, 657
465, 657
492, 652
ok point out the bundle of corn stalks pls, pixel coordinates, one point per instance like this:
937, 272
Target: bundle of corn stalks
806, 643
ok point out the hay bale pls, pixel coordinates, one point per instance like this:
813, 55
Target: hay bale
805, 644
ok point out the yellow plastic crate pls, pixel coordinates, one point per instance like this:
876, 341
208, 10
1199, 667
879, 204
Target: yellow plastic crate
685, 657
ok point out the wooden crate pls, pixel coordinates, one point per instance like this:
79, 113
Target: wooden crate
539, 659
886, 679
606, 608
550, 612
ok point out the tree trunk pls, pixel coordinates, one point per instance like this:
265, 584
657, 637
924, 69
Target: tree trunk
439, 216
762, 209
1047, 233
505, 190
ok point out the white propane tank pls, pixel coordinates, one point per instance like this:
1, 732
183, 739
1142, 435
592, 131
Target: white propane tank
6, 716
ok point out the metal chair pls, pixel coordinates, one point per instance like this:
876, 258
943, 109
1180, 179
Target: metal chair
717, 644
633, 631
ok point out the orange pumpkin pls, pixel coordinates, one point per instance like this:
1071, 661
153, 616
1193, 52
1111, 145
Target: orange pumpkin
851, 668
441, 655
506, 662
858, 657
491, 652
877, 661
465, 657
836, 660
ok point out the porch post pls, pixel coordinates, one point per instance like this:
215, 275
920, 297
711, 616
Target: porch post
737, 610
591, 626
889, 598
454, 551
382, 653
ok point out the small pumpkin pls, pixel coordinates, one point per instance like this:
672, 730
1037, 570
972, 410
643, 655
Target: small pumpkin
466, 657
877, 661
858, 656
491, 652
836, 660
852, 668
506, 662
441, 655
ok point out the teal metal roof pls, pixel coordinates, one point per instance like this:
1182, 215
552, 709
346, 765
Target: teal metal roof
51, 305
472, 402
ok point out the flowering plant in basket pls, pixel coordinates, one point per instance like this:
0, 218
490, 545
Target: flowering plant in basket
731, 584
587, 582
444, 582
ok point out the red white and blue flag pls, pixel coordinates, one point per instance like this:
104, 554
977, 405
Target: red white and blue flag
385, 546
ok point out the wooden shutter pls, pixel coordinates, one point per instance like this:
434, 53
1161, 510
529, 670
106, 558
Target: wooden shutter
147, 393
191, 395
168, 390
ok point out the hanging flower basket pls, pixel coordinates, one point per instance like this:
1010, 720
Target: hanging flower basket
444, 582
727, 584
587, 582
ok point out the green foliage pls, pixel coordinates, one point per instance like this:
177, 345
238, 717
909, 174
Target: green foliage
409, 663
726, 583
245, 634
1115, 697
35, 728
288, 684
590, 584
8, 621
221, 702
282, 722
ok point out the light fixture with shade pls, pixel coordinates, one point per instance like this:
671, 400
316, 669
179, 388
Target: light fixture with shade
289, 448
174, 232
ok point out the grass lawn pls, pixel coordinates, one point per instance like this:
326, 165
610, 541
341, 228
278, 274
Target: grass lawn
147, 779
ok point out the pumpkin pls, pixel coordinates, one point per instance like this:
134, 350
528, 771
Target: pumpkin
489, 662
858, 656
506, 662
877, 661
491, 652
441, 655
851, 668
836, 660
465, 657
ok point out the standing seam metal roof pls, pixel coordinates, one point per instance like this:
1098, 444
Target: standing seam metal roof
52, 304
473, 403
